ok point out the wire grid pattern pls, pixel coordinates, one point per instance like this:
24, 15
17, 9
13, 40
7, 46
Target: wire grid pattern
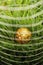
13, 15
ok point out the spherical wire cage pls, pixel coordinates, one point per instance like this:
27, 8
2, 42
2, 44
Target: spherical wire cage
15, 14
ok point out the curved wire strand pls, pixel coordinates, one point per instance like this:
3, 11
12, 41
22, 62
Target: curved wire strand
21, 56
21, 18
14, 32
2, 36
20, 25
5, 62
21, 61
21, 51
3, 42
38, 62
21, 8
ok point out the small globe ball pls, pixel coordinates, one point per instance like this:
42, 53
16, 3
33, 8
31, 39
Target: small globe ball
23, 35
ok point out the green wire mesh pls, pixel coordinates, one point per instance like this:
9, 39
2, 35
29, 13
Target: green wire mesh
13, 15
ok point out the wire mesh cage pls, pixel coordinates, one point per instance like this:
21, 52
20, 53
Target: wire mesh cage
13, 15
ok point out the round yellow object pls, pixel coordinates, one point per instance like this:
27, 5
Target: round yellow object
23, 35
